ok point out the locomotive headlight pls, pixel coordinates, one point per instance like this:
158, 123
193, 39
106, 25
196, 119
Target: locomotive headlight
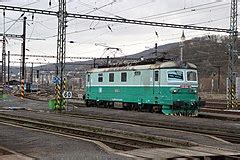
174, 91
194, 91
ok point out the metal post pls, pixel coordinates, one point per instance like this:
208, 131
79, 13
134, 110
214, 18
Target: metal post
182, 46
23, 56
32, 75
233, 33
24, 47
4, 52
156, 49
107, 60
219, 74
94, 62
8, 66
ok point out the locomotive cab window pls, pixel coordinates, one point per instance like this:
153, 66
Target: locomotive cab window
123, 77
191, 76
175, 76
111, 77
100, 77
156, 74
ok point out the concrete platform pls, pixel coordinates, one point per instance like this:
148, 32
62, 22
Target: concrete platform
191, 152
43, 145
6, 154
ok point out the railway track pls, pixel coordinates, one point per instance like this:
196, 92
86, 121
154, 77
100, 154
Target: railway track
118, 142
227, 135
212, 107
223, 134
233, 137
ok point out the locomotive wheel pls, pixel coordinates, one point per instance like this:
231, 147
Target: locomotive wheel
150, 108
87, 103
140, 107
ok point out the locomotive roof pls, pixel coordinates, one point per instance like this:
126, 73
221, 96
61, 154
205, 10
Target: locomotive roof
162, 65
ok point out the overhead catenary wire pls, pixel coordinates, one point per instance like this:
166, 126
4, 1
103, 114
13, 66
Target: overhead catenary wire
214, 20
14, 23
188, 9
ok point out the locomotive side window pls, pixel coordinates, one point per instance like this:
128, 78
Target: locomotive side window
156, 75
137, 73
191, 76
123, 77
100, 77
111, 77
175, 76
88, 78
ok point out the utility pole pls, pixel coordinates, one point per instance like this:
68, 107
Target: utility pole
233, 33
182, 45
32, 74
8, 66
156, 49
94, 62
4, 52
23, 56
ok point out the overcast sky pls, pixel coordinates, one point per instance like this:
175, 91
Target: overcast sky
88, 36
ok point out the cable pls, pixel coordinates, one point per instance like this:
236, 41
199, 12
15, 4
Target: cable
215, 20
39, 22
14, 22
31, 32
92, 7
206, 21
98, 8
134, 7
185, 9
191, 14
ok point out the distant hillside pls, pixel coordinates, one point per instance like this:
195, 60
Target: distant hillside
83, 65
209, 53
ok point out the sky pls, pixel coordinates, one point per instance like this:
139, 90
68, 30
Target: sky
86, 38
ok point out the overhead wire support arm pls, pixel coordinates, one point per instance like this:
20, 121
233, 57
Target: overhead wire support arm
117, 20
139, 22
12, 35
29, 10
69, 57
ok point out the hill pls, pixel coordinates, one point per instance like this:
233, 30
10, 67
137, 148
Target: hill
209, 53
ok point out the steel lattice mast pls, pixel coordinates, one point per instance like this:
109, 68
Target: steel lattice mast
61, 52
233, 33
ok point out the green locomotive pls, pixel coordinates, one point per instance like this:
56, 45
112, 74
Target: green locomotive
168, 87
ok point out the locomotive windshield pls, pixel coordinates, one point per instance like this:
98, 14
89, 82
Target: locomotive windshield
175, 75
191, 76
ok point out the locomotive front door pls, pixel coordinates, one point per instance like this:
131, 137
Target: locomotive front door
88, 82
156, 86
156, 82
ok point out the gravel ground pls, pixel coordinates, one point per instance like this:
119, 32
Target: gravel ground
12, 101
179, 135
48, 146
205, 140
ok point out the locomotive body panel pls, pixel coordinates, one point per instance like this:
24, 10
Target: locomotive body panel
169, 87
